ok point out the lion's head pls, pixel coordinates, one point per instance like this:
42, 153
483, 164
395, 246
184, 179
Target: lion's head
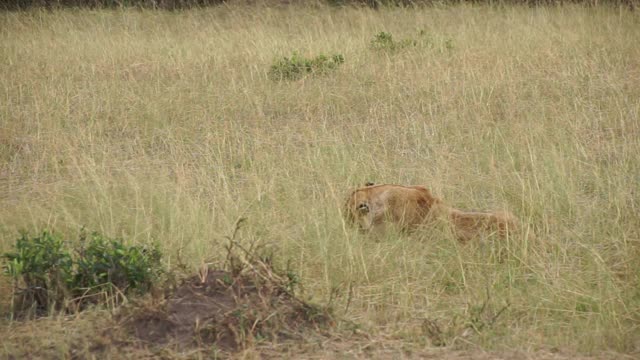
372, 206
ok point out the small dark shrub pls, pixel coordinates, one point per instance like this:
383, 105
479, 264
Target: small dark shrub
297, 66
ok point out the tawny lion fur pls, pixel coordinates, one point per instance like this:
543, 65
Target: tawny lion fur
373, 207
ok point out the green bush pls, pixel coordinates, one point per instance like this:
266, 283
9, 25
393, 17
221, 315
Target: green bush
48, 275
45, 268
383, 41
106, 262
297, 66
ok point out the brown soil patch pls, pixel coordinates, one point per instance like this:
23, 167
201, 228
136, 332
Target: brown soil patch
226, 312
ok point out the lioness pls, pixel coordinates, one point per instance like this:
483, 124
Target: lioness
373, 207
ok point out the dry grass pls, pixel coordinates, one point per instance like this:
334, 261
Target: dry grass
164, 127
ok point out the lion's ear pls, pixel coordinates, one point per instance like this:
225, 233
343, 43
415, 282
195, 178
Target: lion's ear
369, 183
427, 200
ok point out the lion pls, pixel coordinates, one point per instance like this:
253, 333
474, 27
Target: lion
374, 207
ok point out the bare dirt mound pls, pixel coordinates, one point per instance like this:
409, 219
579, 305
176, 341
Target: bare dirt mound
225, 311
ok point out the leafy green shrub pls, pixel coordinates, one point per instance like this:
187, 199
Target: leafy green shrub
44, 266
384, 41
47, 275
297, 66
106, 262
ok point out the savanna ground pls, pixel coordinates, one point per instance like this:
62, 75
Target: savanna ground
165, 127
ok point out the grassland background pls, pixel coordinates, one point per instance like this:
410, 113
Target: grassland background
164, 127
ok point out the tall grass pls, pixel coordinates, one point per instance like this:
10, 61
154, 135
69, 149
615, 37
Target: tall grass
164, 127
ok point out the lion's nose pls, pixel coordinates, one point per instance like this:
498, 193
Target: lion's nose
363, 208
